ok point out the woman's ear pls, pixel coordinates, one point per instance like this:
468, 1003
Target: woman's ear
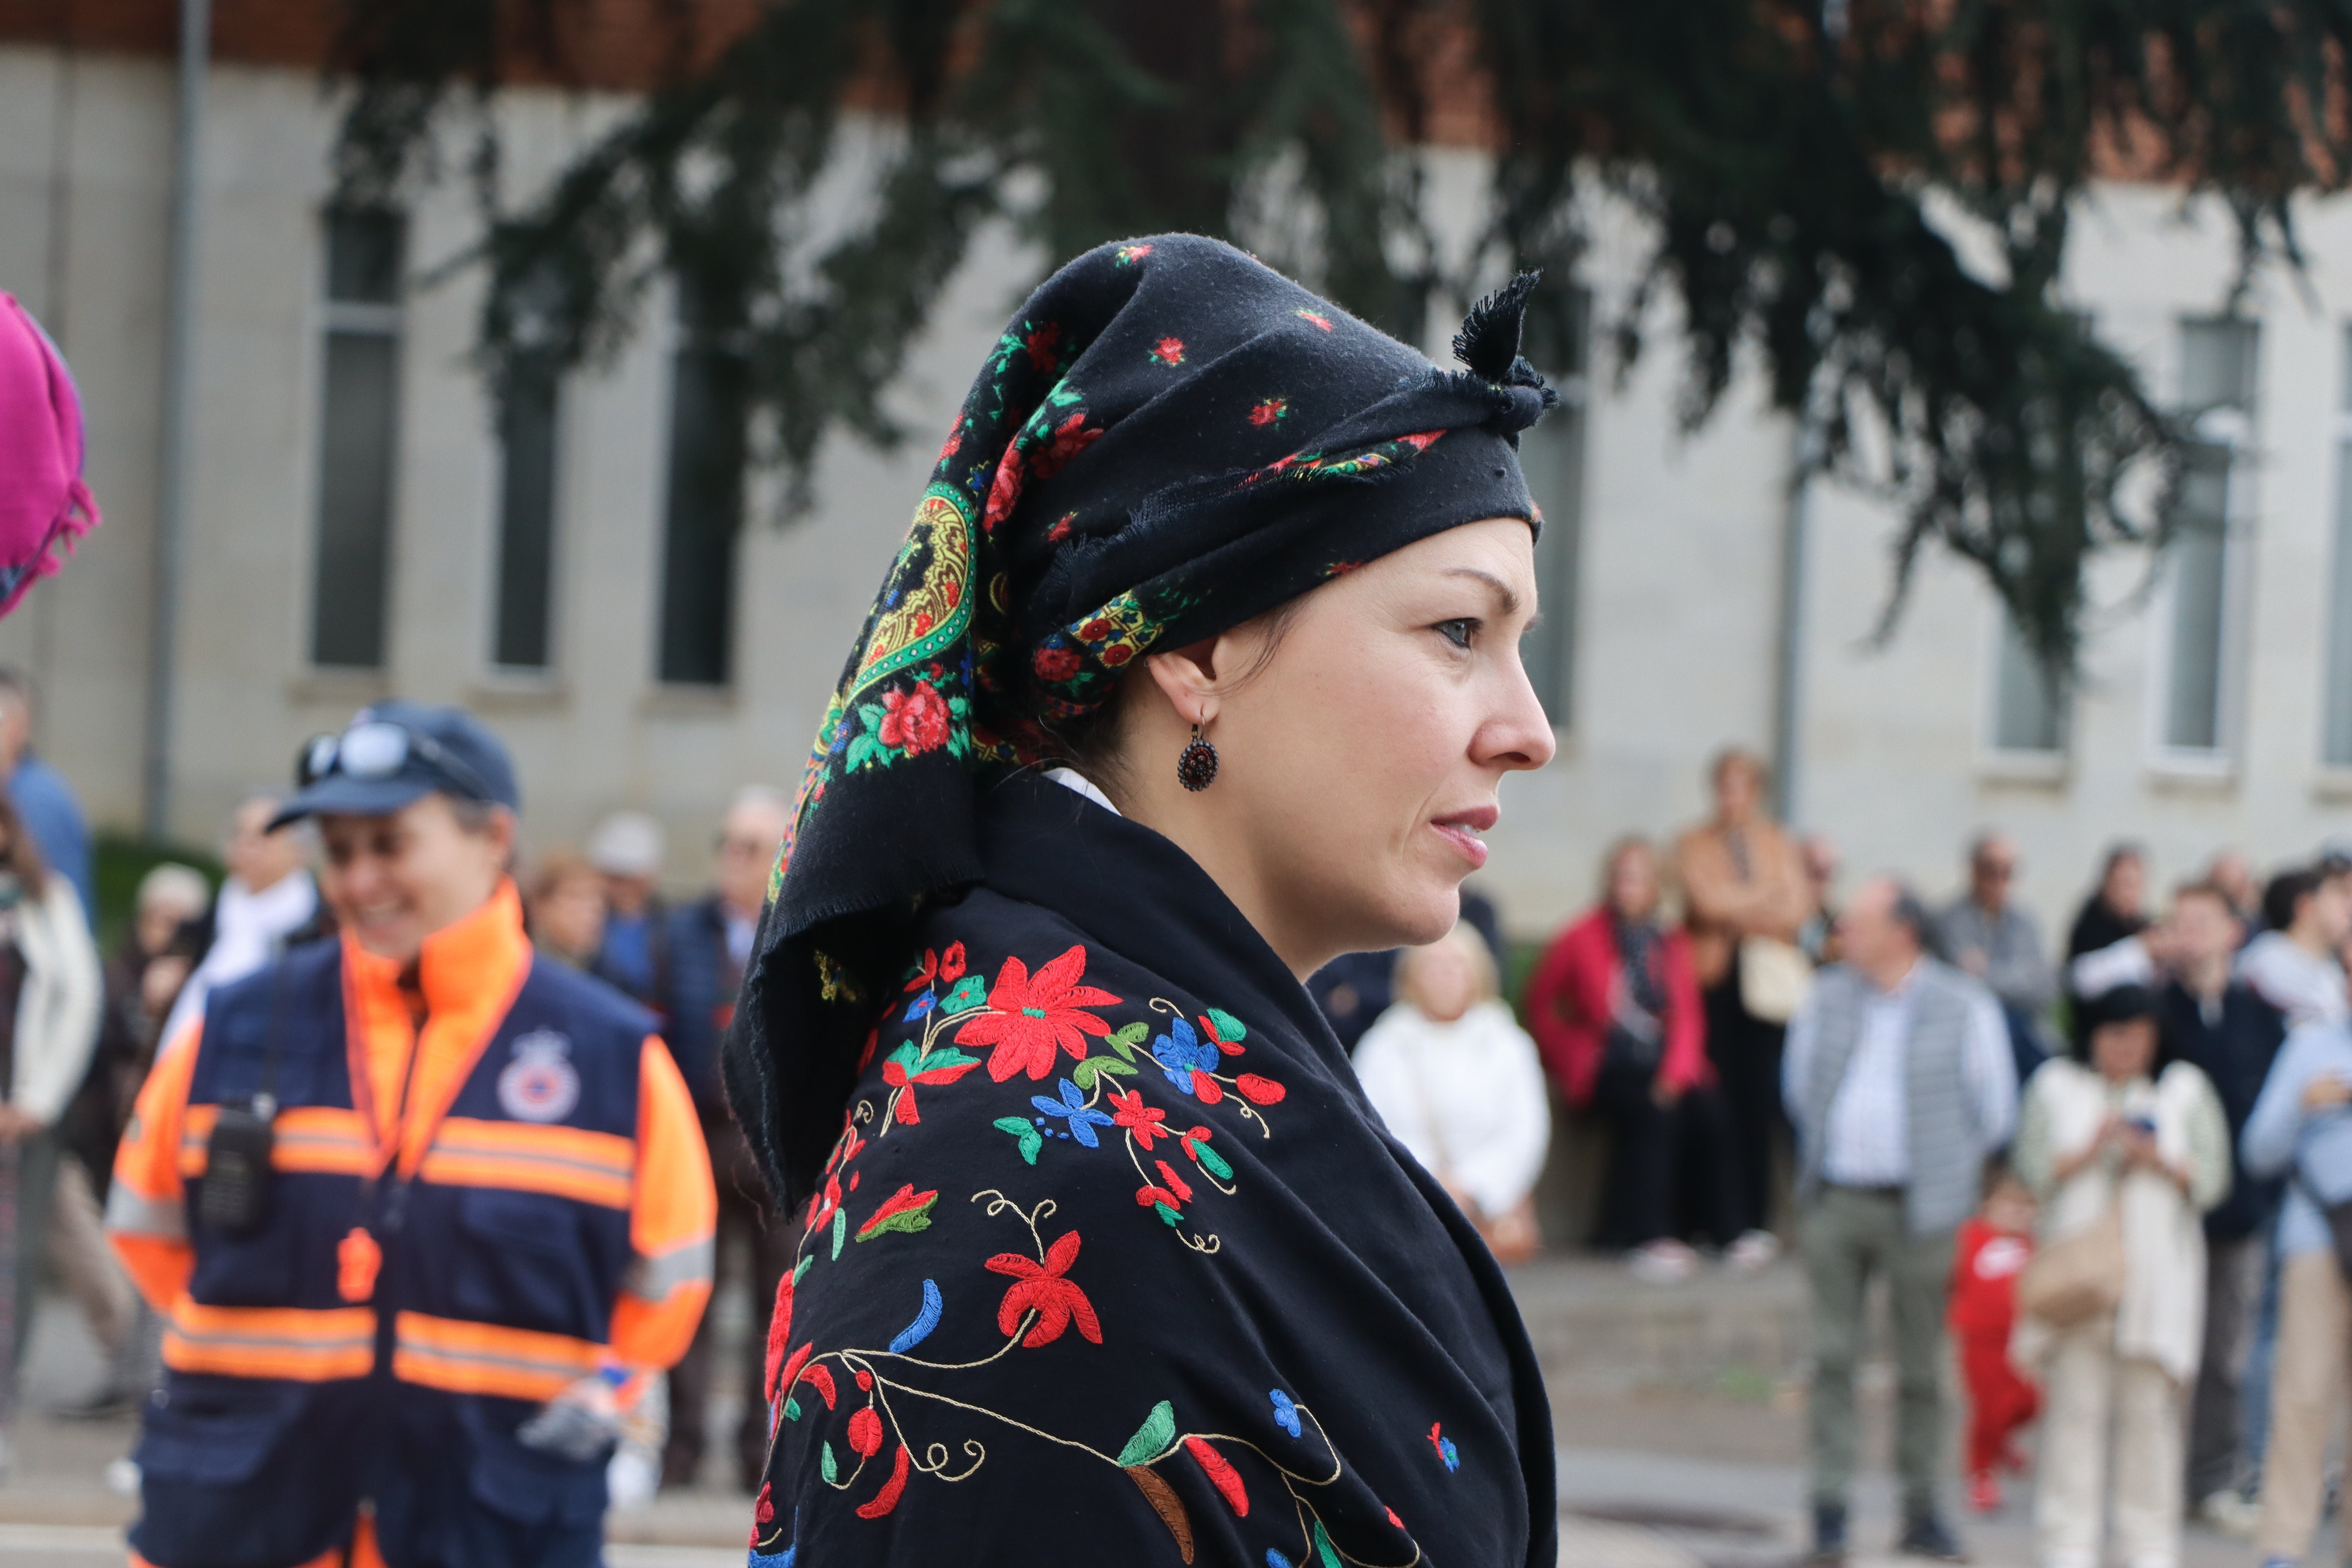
1187, 677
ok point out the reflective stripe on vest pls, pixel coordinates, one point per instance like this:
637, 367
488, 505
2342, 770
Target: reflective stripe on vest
563, 1161
320, 1140
484, 1358
297, 1343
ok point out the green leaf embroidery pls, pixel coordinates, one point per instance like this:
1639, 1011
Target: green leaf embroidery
947, 1057
1083, 1075
1153, 1439
840, 1230
873, 713
1210, 1161
907, 1057
1123, 1069
1329, 1558
802, 1267
970, 992
1171, 1215
1228, 1027
825, 1462
1126, 1038
792, 1409
1031, 1140
908, 1221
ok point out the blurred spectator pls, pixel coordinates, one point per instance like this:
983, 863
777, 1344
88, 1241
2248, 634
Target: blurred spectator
566, 904
1818, 935
49, 1024
2233, 874
1993, 1249
627, 848
1747, 900
1900, 1082
2117, 906
158, 950
44, 803
2217, 1025
2294, 965
1992, 939
2115, 1138
1355, 988
268, 902
709, 943
2299, 1130
1616, 1012
1458, 1083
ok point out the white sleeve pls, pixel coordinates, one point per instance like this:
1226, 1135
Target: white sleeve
1990, 1070
51, 1064
1387, 1079
1503, 1167
2125, 963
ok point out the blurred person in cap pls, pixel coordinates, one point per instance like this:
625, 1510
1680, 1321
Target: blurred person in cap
51, 811
1993, 939
710, 945
2120, 1137
424, 1214
627, 847
268, 902
566, 906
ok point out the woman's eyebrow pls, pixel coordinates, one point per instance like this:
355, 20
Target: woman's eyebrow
1503, 590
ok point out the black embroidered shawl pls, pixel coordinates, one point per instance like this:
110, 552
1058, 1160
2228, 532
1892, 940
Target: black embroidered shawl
1114, 1264
1169, 440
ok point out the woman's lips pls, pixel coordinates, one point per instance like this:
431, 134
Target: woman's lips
1462, 829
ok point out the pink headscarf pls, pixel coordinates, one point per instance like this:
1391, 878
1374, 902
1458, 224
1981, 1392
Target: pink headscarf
43, 501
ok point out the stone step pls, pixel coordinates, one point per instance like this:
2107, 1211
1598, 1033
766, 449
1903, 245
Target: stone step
1596, 1326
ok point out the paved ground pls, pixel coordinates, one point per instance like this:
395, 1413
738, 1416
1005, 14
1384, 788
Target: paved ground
1679, 1411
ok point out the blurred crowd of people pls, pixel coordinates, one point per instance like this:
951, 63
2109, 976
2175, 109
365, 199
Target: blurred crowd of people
2115, 1177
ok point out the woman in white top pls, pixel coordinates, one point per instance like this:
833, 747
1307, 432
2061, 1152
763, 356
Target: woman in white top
1460, 1084
2121, 1135
49, 1023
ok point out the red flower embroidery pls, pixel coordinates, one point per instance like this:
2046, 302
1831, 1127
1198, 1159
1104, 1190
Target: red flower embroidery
1027, 1017
780, 1328
1115, 657
1259, 1090
954, 441
1221, 1474
1040, 1288
766, 1511
1070, 437
1422, 441
1055, 663
1040, 344
1128, 253
1128, 1110
1322, 322
1005, 491
1269, 412
917, 720
1168, 351
866, 1432
1094, 631
1061, 531
887, 1498
952, 964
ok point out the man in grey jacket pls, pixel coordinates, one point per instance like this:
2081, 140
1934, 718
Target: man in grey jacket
1993, 939
1899, 1080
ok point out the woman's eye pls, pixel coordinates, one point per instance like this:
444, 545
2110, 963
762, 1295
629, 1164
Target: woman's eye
1458, 632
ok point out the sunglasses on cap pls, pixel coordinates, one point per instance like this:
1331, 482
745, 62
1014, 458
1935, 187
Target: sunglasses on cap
379, 749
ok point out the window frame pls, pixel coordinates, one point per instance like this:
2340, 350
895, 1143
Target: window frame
332, 317
498, 673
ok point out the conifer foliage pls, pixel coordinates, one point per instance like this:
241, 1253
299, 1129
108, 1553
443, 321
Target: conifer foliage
814, 179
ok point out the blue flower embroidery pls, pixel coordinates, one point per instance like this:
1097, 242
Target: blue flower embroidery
1181, 1052
1286, 1413
1082, 1118
921, 1005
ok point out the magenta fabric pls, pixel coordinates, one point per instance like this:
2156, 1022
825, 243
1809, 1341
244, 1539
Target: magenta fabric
43, 501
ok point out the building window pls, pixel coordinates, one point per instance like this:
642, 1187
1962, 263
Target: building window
709, 404
2028, 709
2336, 739
358, 428
2218, 362
1552, 455
527, 441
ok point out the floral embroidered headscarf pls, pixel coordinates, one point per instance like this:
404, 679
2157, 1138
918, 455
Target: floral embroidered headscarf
1168, 438
44, 504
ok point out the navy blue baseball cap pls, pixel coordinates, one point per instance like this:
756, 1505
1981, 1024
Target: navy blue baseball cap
396, 752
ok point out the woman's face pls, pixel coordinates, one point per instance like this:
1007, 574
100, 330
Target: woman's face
1360, 764
1633, 884
569, 916
1444, 982
1736, 787
2122, 1052
2127, 887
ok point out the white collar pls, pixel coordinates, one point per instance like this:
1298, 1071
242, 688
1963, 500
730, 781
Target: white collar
1070, 778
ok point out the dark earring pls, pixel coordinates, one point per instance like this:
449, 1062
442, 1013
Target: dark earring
1196, 765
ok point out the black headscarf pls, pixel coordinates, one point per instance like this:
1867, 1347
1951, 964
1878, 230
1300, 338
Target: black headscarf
1169, 440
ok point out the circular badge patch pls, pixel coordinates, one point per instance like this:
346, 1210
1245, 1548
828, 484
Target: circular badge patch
540, 1084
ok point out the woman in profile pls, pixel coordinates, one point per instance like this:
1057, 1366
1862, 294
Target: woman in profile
1198, 668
